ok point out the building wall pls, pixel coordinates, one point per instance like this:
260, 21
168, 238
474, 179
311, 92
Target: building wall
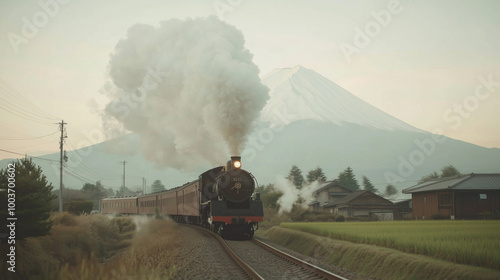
323, 197
477, 204
427, 204
326, 196
456, 204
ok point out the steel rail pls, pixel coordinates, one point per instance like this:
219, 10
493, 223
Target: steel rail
247, 269
317, 270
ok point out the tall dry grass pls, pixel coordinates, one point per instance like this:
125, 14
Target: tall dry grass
149, 257
86, 247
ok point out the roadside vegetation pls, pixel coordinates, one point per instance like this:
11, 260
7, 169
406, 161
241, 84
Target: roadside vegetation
377, 261
97, 247
466, 242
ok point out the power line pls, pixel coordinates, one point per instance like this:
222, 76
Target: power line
79, 177
21, 139
17, 96
26, 155
25, 116
20, 106
89, 169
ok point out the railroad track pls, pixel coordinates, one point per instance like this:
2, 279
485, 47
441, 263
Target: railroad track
259, 260
315, 270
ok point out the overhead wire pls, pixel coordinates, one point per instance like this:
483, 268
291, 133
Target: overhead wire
22, 139
25, 102
26, 155
89, 169
78, 176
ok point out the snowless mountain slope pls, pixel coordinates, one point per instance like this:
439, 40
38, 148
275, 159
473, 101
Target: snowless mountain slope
299, 93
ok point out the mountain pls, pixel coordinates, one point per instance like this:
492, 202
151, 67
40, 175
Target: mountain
309, 121
302, 94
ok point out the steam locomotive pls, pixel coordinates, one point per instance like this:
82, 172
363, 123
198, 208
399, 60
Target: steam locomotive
220, 199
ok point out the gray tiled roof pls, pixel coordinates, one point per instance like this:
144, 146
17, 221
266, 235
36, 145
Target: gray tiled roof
463, 182
353, 196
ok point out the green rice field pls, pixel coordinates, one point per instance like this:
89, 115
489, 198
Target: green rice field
466, 242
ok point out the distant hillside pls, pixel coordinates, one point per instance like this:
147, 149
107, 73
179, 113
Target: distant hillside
309, 121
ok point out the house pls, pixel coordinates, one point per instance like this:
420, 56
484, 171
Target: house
363, 204
469, 196
328, 192
404, 207
334, 198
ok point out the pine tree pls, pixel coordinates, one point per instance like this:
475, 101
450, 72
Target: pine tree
295, 176
368, 186
347, 179
32, 198
316, 175
157, 186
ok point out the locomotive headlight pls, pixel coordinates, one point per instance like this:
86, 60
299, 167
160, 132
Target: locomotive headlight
235, 162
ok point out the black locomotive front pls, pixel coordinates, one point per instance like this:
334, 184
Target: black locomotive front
227, 203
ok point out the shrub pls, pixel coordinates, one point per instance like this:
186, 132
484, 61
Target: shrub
438, 217
339, 218
78, 207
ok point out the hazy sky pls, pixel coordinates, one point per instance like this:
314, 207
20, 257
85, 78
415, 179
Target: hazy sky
432, 64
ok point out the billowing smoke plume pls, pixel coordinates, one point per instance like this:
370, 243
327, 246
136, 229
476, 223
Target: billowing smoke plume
188, 88
292, 195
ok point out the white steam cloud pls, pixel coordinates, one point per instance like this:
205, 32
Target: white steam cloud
292, 195
189, 89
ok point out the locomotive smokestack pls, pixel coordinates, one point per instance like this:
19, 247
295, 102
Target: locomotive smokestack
235, 163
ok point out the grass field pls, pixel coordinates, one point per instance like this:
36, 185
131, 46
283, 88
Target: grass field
474, 243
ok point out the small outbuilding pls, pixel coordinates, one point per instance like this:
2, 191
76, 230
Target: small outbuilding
334, 198
363, 204
404, 209
470, 196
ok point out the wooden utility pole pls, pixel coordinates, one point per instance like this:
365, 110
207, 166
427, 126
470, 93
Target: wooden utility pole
61, 144
124, 162
143, 185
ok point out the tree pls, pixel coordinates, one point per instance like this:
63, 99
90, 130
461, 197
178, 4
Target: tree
429, 177
446, 171
449, 171
367, 184
109, 192
157, 186
390, 191
124, 191
316, 175
295, 176
347, 179
25, 188
94, 191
